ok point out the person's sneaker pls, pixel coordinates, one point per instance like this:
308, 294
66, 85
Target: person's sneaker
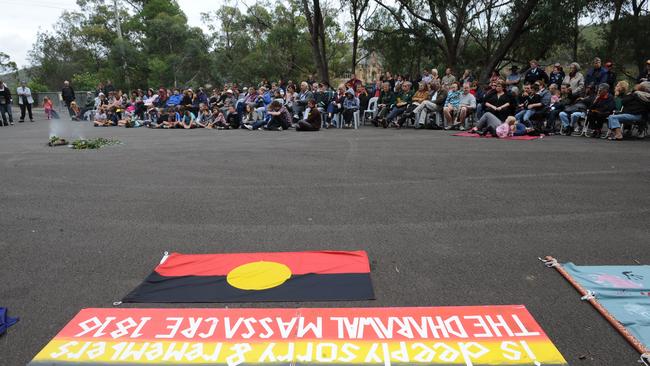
21, 121
461, 128
278, 129
248, 127
11, 123
31, 120
220, 128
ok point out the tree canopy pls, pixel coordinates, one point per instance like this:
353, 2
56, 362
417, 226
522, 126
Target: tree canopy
141, 43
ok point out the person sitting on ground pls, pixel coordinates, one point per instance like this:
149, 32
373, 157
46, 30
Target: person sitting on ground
350, 106
635, 106
112, 118
75, 111
452, 105
420, 96
600, 109
100, 117
252, 116
596, 75
233, 119
313, 121
434, 104
218, 120
204, 116
280, 118
489, 124
402, 101
188, 120
384, 104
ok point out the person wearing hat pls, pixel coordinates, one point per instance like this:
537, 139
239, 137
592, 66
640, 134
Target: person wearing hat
575, 80
514, 78
597, 74
600, 109
535, 73
25, 101
645, 75
557, 75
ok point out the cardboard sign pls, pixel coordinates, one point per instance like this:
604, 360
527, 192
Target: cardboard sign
473, 335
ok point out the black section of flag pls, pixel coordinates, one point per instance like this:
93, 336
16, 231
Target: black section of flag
307, 287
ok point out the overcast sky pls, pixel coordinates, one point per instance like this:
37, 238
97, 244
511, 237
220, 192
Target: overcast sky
23, 18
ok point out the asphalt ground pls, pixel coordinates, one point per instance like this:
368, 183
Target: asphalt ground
445, 220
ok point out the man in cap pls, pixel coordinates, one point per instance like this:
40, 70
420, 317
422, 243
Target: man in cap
25, 101
645, 74
514, 78
597, 74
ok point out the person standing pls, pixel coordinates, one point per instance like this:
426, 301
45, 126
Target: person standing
5, 104
25, 101
67, 93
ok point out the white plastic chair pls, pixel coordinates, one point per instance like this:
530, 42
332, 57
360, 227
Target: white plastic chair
372, 109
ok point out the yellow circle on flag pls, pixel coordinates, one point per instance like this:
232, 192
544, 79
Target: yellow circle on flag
258, 275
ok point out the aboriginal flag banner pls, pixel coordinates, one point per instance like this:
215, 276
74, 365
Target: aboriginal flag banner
252, 277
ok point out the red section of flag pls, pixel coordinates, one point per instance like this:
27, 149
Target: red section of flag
324, 262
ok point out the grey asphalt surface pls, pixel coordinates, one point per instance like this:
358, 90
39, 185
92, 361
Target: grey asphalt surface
445, 220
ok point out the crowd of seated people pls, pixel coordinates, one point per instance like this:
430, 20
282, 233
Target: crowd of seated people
531, 102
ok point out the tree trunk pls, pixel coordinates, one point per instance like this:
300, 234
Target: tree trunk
317, 38
355, 46
576, 36
612, 37
511, 37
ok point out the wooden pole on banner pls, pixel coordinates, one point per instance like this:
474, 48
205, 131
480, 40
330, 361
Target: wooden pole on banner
587, 295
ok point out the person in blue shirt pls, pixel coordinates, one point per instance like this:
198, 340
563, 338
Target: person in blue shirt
597, 74
174, 99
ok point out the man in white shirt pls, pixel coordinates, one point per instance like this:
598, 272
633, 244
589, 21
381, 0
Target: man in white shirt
25, 101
